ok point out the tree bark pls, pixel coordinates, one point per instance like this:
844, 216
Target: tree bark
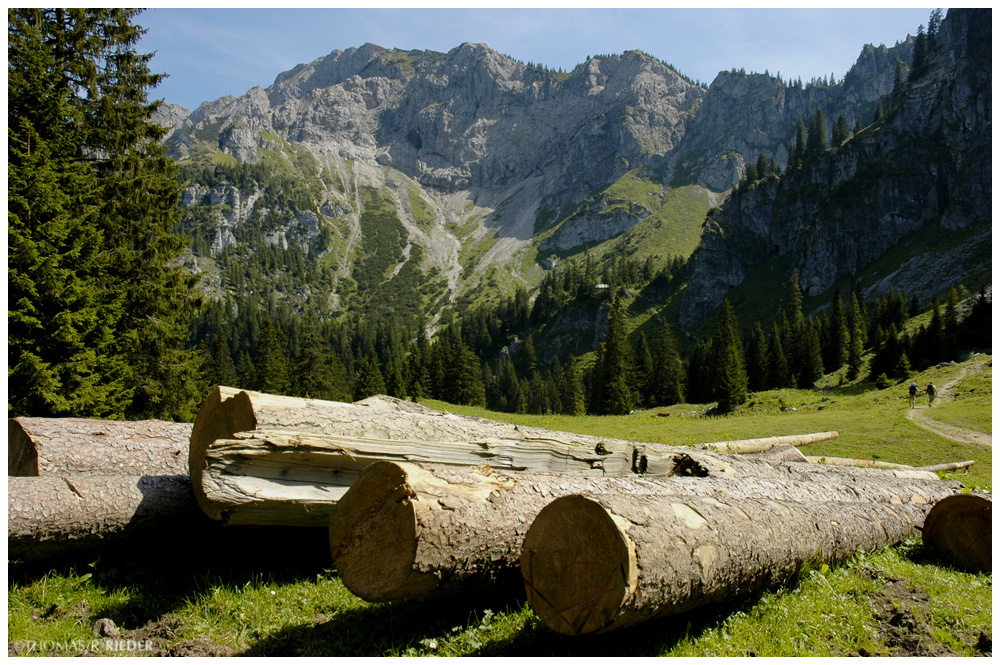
271, 460
959, 531
747, 446
49, 515
59, 446
601, 562
405, 530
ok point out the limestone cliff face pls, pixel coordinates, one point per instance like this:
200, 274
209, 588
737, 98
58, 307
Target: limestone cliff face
477, 153
928, 163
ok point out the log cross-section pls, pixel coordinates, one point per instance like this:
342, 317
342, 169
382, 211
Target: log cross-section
601, 562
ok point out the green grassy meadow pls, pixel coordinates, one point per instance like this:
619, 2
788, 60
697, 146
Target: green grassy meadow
286, 599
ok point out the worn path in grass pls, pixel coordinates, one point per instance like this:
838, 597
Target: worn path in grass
922, 418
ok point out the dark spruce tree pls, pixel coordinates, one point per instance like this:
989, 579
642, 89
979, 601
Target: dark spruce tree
728, 370
611, 383
668, 370
95, 119
369, 380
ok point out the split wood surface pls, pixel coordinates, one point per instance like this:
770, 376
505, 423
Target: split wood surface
49, 515
404, 530
601, 562
265, 459
959, 531
60, 446
746, 446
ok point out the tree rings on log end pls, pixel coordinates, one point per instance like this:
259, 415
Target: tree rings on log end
578, 566
959, 531
373, 537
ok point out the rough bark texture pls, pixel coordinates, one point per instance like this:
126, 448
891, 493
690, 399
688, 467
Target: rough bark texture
602, 562
959, 531
405, 530
295, 479
746, 446
59, 446
50, 515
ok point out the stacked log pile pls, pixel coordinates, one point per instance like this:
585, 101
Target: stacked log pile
76, 484
604, 532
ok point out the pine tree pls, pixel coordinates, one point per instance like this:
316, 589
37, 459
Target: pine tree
97, 84
571, 392
395, 386
756, 360
642, 378
840, 131
369, 379
62, 356
919, 55
933, 28
816, 142
273, 361
779, 375
668, 371
728, 370
614, 367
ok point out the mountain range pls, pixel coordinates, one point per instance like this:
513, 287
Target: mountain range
426, 183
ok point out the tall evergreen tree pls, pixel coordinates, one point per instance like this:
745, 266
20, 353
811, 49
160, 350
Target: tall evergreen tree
840, 131
369, 380
62, 357
274, 364
99, 85
816, 142
756, 360
614, 367
668, 370
728, 371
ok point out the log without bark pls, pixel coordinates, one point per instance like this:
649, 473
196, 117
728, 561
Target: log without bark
49, 515
59, 446
959, 531
948, 466
405, 530
848, 461
601, 562
782, 454
746, 446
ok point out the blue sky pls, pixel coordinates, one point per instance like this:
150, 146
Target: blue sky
209, 53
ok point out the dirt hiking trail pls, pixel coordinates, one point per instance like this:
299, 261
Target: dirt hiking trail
922, 418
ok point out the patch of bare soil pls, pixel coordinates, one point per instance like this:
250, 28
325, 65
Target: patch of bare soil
161, 633
899, 609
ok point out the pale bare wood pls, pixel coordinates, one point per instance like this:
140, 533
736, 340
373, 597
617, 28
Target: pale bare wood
849, 461
405, 530
959, 531
48, 515
601, 562
44, 446
948, 466
781, 454
746, 446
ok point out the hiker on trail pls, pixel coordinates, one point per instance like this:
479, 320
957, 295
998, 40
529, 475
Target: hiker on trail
931, 390
913, 394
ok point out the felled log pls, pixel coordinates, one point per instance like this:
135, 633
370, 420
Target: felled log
781, 454
404, 530
49, 515
849, 461
948, 466
746, 446
601, 562
55, 446
959, 531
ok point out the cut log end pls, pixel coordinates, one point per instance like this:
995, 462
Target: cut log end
578, 566
224, 412
373, 537
959, 531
